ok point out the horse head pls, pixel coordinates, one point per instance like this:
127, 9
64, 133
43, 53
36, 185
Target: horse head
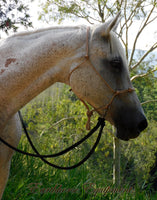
103, 81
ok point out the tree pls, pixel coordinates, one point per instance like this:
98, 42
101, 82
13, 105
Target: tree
97, 11
13, 13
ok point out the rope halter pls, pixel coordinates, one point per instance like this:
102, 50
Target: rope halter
115, 92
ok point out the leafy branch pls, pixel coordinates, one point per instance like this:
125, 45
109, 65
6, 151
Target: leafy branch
149, 101
143, 75
152, 48
12, 14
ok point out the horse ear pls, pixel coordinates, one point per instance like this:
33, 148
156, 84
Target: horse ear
110, 25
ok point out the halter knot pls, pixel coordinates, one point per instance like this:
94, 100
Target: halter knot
117, 92
131, 89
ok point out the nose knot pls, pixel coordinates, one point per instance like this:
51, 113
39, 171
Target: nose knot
131, 89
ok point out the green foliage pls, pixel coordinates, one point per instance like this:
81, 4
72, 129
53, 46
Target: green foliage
13, 13
146, 86
139, 156
55, 120
91, 10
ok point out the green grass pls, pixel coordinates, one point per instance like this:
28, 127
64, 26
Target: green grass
31, 179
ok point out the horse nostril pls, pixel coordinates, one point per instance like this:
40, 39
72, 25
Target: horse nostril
142, 125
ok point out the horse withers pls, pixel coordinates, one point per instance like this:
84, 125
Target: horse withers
90, 60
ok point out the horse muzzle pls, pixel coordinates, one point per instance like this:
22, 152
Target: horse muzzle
129, 124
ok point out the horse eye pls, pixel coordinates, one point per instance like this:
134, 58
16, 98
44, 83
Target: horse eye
116, 63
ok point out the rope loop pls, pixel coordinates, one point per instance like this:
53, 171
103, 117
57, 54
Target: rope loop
89, 115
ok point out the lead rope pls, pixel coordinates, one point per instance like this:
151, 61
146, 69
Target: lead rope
100, 123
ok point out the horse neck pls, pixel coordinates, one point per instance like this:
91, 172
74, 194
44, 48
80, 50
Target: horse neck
34, 61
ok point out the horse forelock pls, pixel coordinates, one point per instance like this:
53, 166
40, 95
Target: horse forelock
117, 49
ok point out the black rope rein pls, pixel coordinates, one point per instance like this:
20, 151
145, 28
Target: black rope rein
100, 123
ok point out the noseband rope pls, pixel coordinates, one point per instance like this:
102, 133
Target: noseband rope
115, 92
100, 123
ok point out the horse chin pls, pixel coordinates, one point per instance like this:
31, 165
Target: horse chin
125, 134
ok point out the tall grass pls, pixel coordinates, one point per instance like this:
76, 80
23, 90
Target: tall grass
31, 179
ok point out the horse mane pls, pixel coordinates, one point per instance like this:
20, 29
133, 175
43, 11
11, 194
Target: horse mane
42, 30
